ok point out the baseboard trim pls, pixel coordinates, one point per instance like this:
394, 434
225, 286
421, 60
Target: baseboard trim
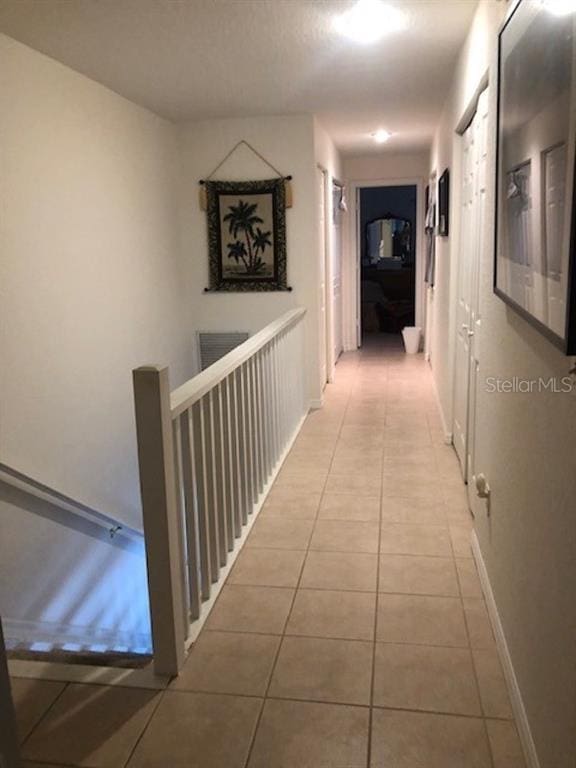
316, 404
81, 673
448, 434
522, 723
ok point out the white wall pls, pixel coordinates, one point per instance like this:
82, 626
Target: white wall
91, 280
525, 445
388, 168
288, 143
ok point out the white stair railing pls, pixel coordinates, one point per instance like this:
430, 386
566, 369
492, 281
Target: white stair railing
208, 452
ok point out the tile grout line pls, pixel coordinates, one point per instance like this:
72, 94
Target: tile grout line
373, 678
471, 651
44, 715
342, 638
283, 635
302, 700
161, 697
52, 764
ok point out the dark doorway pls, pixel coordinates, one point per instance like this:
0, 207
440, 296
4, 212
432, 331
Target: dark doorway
388, 258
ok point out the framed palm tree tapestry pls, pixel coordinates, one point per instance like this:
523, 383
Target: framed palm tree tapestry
246, 235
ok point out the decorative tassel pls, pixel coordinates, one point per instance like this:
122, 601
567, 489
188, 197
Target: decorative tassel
202, 197
288, 191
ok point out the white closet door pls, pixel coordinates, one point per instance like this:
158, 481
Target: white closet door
472, 243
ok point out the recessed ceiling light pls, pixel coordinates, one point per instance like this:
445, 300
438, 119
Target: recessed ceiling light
560, 7
369, 20
381, 136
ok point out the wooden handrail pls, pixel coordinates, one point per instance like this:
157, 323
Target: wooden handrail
194, 389
19, 480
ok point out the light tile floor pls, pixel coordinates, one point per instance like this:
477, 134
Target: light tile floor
352, 632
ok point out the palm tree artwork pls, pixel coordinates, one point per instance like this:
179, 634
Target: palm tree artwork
250, 241
246, 235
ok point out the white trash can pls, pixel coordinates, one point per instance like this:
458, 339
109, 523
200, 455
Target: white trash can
411, 337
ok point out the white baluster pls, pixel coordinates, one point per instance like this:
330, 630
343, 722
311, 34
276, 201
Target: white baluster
232, 428
208, 466
225, 447
217, 475
277, 422
250, 435
189, 494
243, 464
267, 409
196, 431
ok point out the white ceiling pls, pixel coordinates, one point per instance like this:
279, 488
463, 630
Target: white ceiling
195, 59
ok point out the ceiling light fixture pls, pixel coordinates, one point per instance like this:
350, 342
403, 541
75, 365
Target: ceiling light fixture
369, 20
381, 136
560, 7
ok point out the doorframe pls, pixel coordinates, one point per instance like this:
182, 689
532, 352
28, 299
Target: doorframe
337, 229
328, 340
352, 319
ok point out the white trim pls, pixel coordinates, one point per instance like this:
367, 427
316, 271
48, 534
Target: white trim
195, 627
316, 403
448, 435
353, 289
470, 111
328, 339
520, 715
84, 673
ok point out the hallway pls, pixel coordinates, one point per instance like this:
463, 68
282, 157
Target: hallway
352, 630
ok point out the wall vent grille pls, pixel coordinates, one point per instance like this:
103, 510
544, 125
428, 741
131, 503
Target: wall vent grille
213, 346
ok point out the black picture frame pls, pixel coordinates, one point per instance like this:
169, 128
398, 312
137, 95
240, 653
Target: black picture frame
246, 236
534, 279
444, 204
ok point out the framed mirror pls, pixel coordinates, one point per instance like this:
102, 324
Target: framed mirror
535, 233
388, 242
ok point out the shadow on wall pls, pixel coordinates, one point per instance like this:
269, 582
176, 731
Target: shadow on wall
61, 571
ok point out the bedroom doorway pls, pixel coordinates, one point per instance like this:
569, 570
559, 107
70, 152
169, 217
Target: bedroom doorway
387, 252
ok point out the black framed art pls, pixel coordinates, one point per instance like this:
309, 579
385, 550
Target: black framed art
536, 140
444, 204
246, 235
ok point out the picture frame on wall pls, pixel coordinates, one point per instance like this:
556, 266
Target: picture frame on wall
535, 182
444, 204
246, 235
